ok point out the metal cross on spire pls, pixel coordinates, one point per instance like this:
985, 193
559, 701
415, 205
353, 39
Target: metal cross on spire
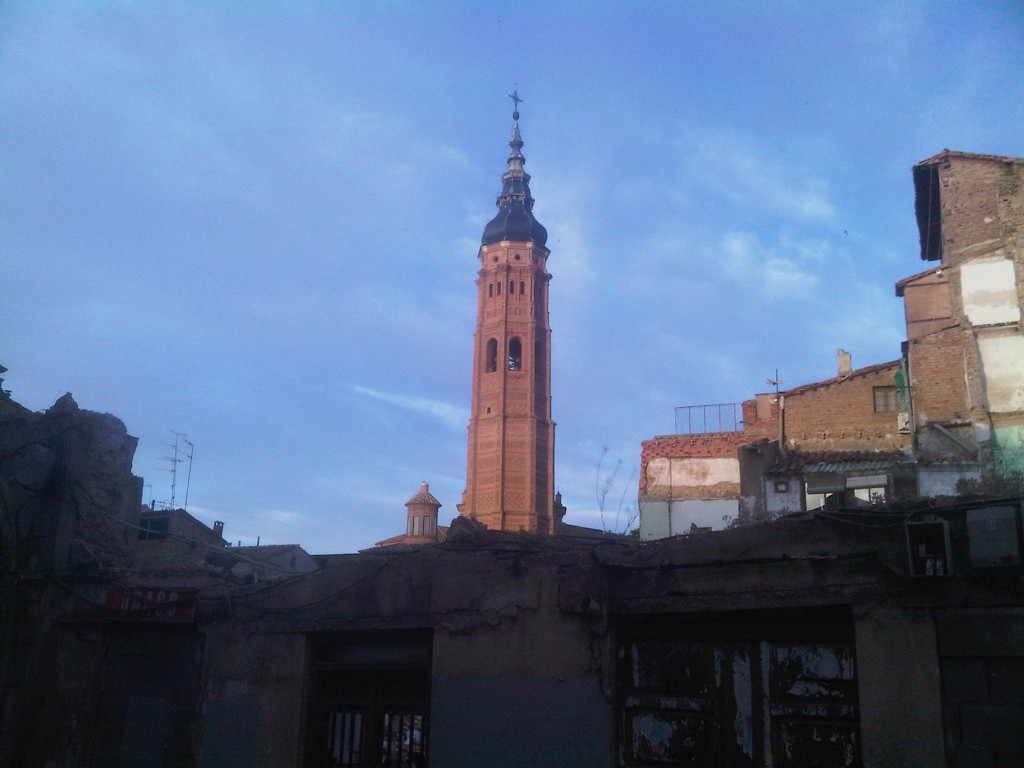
515, 98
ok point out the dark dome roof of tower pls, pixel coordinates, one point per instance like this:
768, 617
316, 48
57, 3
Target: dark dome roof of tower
515, 220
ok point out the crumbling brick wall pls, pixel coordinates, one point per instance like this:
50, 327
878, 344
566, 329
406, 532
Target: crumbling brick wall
705, 460
980, 203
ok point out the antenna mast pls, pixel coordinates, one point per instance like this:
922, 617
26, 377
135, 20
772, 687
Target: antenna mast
175, 459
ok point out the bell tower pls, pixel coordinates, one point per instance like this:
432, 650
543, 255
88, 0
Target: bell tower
510, 473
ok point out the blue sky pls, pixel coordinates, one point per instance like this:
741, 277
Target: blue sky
257, 223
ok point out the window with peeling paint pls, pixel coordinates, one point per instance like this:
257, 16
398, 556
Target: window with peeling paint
706, 691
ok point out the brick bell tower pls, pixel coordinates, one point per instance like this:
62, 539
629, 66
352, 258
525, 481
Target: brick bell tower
510, 473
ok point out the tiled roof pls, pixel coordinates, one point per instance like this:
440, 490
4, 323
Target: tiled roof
844, 377
266, 550
424, 496
947, 153
838, 462
403, 538
901, 284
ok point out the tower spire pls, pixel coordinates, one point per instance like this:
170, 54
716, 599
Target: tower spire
515, 220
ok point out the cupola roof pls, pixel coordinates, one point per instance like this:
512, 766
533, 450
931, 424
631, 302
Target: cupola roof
424, 497
515, 220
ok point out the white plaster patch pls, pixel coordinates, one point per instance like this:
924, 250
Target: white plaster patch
659, 473
1002, 361
989, 291
664, 474
698, 472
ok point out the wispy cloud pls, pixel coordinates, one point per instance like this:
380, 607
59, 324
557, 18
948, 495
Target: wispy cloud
455, 417
785, 268
735, 167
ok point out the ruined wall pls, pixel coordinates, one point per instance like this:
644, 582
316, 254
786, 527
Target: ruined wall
68, 503
66, 488
701, 466
689, 480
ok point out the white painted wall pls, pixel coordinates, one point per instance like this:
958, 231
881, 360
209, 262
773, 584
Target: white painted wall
941, 481
661, 519
702, 513
790, 500
654, 520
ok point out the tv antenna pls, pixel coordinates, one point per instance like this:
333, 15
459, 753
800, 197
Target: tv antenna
182, 449
775, 382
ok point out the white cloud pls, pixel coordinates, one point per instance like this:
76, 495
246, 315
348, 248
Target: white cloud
453, 416
784, 269
734, 167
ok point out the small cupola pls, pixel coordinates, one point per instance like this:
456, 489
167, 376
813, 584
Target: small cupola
422, 514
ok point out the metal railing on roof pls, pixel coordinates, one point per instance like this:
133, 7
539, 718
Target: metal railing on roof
714, 417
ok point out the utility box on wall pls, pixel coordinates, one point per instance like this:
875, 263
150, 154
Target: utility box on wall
928, 548
994, 536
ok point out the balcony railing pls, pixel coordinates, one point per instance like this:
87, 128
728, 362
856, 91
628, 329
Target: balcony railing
715, 417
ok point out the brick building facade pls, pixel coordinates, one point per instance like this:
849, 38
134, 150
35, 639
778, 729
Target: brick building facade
761, 469
965, 347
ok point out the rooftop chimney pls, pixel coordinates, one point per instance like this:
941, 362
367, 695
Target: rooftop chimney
845, 362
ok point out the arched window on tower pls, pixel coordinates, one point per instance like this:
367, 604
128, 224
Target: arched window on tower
492, 355
490, 290
515, 354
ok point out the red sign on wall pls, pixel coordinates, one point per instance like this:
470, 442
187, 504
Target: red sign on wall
149, 604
